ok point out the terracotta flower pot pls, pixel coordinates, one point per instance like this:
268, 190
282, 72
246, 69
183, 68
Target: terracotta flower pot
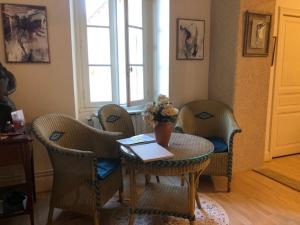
162, 131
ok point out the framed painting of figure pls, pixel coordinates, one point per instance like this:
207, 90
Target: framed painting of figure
190, 39
25, 33
256, 34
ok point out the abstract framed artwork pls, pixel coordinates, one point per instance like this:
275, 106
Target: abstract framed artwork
256, 34
190, 39
25, 33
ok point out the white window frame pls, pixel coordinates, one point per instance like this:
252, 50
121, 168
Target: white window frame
81, 58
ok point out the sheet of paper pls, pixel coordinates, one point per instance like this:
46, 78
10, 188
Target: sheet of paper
138, 139
151, 152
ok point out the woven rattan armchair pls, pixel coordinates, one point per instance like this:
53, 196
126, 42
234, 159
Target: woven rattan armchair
215, 121
77, 153
115, 118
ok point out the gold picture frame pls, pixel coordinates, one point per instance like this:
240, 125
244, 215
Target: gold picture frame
257, 34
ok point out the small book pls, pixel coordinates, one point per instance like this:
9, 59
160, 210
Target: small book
151, 152
138, 139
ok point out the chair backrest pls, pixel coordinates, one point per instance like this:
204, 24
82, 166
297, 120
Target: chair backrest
115, 118
62, 130
202, 118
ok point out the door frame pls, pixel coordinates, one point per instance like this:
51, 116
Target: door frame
280, 11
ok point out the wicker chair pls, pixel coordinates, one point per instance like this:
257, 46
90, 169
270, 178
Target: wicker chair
115, 118
216, 122
78, 153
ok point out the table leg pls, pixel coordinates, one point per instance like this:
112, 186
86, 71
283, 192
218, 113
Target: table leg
191, 195
147, 179
197, 177
132, 187
26, 160
32, 172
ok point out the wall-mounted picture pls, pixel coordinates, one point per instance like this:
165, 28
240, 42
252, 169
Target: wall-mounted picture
25, 33
190, 39
257, 34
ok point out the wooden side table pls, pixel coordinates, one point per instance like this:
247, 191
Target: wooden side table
18, 150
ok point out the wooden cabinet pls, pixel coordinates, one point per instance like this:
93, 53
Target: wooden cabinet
18, 150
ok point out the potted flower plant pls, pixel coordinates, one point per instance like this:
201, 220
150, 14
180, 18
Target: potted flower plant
161, 114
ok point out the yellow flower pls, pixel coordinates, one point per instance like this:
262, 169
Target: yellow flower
169, 110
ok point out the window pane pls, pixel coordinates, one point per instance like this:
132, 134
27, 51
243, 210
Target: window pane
135, 13
121, 52
136, 83
98, 45
100, 84
97, 12
135, 46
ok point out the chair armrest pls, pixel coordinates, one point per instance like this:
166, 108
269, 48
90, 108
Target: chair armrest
105, 145
229, 128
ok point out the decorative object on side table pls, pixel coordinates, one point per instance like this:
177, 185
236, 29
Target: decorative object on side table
25, 33
190, 39
7, 86
257, 34
161, 114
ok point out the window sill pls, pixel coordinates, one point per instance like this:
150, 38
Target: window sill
93, 111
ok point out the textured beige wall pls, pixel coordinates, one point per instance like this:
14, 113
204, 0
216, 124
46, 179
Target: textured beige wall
246, 90
222, 71
189, 78
45, 88
251, 94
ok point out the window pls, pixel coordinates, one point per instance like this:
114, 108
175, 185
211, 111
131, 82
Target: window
115, 53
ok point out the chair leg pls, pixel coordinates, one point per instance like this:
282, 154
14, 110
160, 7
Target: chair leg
197, 200
50, 215
96, 218
228, 184
192, 222
131, 219
147, 179
182, 180
157, 179
121, 194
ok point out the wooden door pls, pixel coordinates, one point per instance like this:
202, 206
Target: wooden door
285, 127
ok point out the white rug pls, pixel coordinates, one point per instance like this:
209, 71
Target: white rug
212, 213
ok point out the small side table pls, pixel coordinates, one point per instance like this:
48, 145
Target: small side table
18, 150
191, 156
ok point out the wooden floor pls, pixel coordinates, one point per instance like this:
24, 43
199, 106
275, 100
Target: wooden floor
254, 199
287, 166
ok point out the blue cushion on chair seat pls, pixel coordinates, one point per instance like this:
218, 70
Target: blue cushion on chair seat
219, 144
106, 166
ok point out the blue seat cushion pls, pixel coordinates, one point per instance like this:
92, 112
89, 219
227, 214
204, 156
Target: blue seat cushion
219, 144
106, 166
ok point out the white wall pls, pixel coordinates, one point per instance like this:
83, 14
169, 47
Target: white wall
189, 78
45, 88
